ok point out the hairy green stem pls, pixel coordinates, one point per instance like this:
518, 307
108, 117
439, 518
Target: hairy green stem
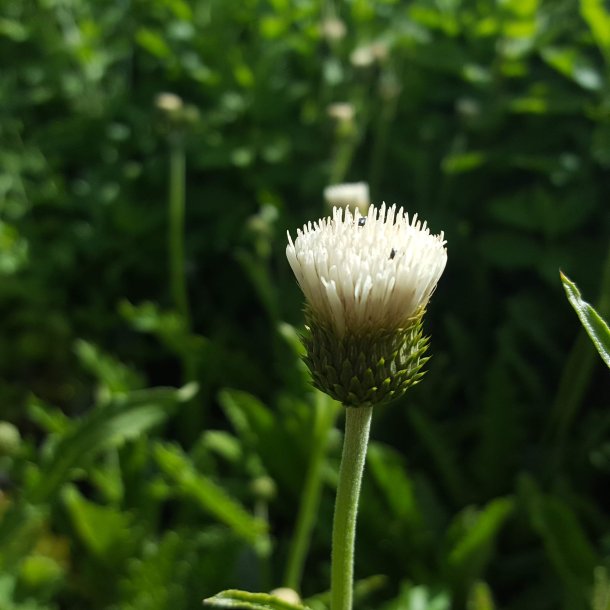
325, 416
357, 427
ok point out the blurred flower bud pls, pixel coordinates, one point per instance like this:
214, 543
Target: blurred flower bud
342, 112
353, 195
367, 55
169, 102
10, 439
288, 595
362, 57
177, 114
264, 488
467, 107
333, 29
260, 227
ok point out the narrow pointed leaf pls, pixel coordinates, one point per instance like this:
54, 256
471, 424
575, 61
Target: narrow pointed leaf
209, 496
593, 323
125, 418
244, 600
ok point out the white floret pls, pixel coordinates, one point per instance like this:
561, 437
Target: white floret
359, 278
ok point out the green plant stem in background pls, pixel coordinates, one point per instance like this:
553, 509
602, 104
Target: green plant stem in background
192, 420
357, 427
177, 178
326, 411
343, 155
380, 142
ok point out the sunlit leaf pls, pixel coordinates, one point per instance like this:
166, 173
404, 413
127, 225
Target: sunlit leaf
593, 323
575, 65
105, 531
597, 17
125, 418
244, 600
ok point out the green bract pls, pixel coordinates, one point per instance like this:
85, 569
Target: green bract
365, 370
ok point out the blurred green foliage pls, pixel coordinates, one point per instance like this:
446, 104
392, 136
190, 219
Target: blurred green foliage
485, 484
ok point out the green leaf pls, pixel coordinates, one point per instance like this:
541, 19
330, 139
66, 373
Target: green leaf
244, 600
209, 496
565, 540
253, 422
103, 530
114, 376
123, 419
593, 323
168, 326
8, 590
472, 549
49, 418
418, 598
387, 469
459, 163
575, 65
249, 416
153, 42
20, 528
222, 443
480, 597
598, 20
12, 29
442, 454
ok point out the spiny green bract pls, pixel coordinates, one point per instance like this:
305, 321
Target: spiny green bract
365, 370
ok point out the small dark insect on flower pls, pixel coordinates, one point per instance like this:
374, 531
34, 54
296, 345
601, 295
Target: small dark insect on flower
361, 221
392, 254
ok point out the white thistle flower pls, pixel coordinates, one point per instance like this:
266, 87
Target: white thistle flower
367, 281
349, 195
363, 273
365, 56
333, 29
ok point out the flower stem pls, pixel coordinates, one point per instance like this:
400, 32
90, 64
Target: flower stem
325, 415
192, 418
357, 426
176, 229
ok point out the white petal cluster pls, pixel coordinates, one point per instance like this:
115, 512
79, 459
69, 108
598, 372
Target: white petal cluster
367, 273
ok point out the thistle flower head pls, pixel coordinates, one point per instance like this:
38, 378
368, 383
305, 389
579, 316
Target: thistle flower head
367, 281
